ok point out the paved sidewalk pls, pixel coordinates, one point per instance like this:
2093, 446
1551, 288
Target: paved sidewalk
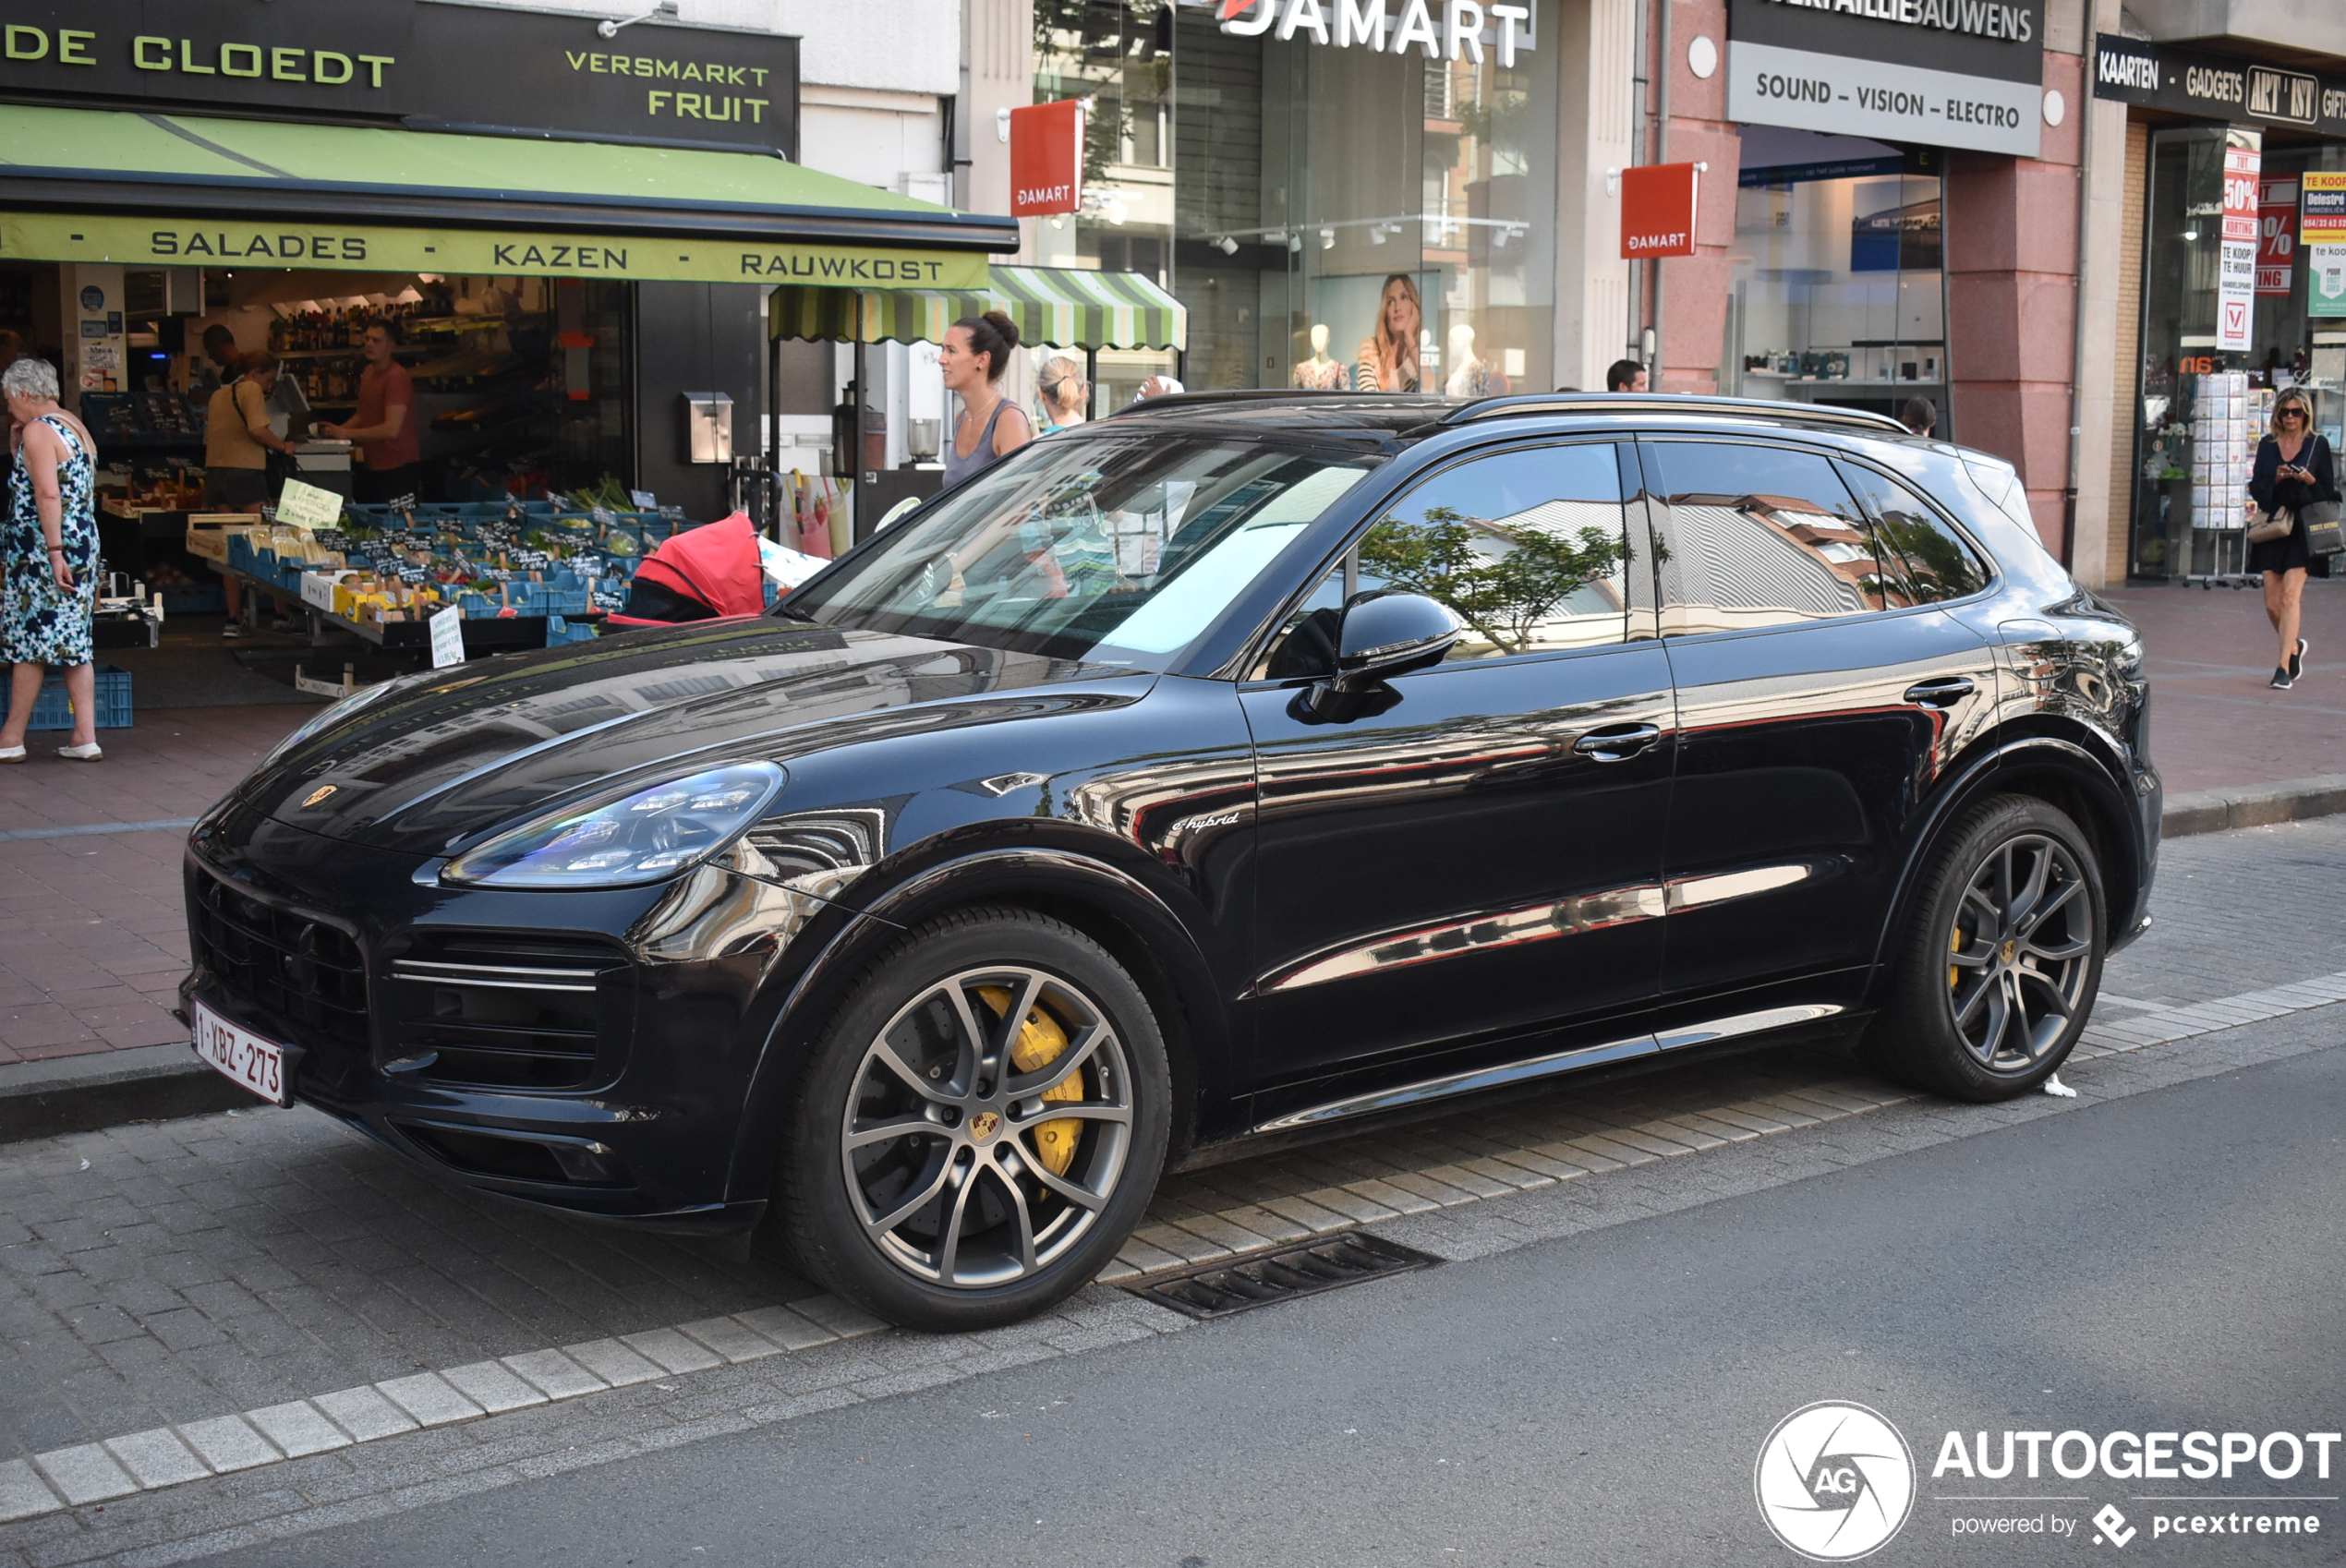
93, 936
92, 940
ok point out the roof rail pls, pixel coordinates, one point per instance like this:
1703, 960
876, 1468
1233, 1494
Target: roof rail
1175, 402
1673, 403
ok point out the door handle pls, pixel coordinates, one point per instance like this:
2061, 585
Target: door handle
1945, 692
1617, 742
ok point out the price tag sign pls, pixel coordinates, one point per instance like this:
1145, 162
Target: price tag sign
447, 637
643, 500
307, 506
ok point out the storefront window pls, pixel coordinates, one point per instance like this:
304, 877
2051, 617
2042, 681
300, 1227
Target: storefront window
2201, 408
1839, 295
1311, 184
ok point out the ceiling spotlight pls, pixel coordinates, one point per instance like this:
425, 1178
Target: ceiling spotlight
1376, 233
1327, 239
1499, 240
1226, 245
1295, 242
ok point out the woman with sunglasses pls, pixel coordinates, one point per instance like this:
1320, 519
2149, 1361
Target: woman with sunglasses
2293, 469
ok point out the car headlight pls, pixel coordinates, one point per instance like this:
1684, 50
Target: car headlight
621, 841
335, 712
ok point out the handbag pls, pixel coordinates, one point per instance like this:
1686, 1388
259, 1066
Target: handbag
2277, 523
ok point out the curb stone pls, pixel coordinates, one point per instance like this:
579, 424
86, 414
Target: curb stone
163, 1082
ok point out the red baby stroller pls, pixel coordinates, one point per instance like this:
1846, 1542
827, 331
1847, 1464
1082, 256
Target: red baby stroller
700, 574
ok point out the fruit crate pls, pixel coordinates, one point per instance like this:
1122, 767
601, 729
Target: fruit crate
51, 710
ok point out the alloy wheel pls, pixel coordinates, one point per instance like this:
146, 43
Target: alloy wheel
987, 1127
2020, 953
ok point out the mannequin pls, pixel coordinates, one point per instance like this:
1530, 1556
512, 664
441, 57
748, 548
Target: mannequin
1470, 376
1318, 373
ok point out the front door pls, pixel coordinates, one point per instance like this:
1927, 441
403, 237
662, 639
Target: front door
1475, 855
1820, 696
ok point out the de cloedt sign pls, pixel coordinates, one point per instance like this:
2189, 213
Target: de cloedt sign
184, 242
428, 65
1944, 73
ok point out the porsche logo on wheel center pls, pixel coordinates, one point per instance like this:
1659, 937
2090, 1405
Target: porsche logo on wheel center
983, 1125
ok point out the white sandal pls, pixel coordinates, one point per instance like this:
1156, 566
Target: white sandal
89, 753
11, 753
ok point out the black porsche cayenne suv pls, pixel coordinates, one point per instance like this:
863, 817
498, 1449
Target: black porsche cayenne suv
1230, 768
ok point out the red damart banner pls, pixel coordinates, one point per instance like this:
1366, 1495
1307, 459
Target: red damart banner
1657, 210
1046, 158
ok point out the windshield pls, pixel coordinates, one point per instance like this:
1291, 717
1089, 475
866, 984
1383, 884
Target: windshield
1116, 548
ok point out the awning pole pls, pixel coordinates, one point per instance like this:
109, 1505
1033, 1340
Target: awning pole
774, 439
1091, 382
858, 501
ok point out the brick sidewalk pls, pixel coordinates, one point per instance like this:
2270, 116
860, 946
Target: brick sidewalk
92, 940
92, 936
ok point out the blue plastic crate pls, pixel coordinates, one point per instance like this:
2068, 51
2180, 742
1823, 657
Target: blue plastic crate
52, 711
204, 599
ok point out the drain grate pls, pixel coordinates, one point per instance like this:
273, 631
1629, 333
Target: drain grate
1282, 1273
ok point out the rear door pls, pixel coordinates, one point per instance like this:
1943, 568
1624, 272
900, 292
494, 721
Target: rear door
1819, 701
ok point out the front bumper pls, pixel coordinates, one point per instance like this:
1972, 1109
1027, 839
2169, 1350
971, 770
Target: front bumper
552, 1048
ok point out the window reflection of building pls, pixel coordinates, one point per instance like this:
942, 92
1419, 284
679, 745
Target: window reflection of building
1734, 563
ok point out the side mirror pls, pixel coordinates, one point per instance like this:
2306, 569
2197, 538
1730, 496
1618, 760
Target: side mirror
1383, 634
1390, 634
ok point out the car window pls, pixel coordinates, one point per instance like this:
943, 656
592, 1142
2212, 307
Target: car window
1751, 536
1530, 547
1936, 560
1119, 547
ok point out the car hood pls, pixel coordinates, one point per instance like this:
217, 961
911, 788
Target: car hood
445, 756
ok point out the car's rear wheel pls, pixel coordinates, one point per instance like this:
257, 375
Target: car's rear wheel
982, 1125
2001, 961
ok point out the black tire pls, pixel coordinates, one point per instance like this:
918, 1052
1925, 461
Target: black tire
1016, 1215
1994, 976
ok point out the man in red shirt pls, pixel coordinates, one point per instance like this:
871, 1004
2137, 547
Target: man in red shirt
385, 425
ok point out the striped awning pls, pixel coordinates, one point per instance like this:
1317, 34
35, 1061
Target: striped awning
1061, 307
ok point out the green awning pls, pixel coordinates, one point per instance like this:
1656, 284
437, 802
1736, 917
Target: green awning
1054, 307
274, 175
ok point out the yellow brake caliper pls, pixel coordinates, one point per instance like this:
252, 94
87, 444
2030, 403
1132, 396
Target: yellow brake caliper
1040, 1042
1955, 944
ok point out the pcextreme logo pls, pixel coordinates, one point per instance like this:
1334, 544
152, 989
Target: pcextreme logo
1835, 1481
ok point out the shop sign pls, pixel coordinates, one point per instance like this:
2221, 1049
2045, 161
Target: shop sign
2276, 237
426, 64
180, 242
1657, 210
2217, 87
1444, 29
1046, 158
2321, 226
1942, 73
2236, 254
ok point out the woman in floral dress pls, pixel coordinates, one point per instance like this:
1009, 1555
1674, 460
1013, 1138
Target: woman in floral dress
49, 553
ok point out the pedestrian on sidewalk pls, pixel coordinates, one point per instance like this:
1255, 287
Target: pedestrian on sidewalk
49, 557
1067, 396
2294, 469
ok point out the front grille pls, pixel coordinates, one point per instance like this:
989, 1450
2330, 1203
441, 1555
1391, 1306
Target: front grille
294, 968
492, 1010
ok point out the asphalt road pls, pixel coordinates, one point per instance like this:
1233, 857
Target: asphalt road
2167, 1260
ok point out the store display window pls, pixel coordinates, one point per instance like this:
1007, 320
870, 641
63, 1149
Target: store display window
1838, 293
2204, 398
1345, 218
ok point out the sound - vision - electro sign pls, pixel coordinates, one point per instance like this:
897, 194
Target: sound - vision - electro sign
1944, 73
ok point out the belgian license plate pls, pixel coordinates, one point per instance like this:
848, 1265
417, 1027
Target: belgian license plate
260, 1064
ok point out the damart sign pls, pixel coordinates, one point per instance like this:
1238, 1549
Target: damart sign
1944, 73
1835, 1481
1444, 29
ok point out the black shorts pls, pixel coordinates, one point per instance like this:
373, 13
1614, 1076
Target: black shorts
235, 489
378, 485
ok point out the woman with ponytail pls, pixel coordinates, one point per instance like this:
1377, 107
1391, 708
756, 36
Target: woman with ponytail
975, 353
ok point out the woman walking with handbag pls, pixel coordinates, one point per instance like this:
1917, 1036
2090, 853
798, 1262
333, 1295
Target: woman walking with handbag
2294, 470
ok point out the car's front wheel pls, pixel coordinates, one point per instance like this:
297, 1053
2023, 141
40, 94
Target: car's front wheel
982, 1125
2001, 961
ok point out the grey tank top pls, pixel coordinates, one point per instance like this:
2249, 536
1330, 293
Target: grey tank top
957, 467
